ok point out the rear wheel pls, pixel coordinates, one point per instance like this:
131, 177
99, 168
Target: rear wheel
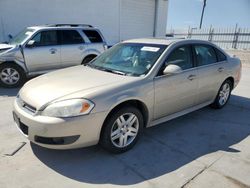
11, 75
88, 59
223, 95
122, 130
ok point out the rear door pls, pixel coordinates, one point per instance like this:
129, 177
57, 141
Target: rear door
45, 53
211, 72
175, 93
72, 47
96, 41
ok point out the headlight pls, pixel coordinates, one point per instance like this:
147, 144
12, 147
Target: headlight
68, 108
3, 50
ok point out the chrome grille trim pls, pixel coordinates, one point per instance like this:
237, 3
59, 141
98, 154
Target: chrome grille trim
25, 106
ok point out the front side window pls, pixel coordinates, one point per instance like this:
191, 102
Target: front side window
181, 57
45, 38
71, 37
205, 55
133, 59
93, 36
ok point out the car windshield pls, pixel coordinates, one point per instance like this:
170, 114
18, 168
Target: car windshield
20, 37
133, 59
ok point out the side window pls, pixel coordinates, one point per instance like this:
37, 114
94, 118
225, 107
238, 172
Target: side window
181, 57
70, 37
220, 55
93, 36
45, 38
205, 55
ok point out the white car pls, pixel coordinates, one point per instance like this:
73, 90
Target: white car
40, 49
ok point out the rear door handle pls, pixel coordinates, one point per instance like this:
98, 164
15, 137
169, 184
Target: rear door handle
191, 77
52, 50
220, 69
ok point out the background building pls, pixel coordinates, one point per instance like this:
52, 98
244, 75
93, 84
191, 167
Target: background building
117, 19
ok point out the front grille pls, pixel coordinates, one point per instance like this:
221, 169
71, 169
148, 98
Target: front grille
27, 107
56, 140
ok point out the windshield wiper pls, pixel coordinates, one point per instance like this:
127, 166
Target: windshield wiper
106, 70
114, 71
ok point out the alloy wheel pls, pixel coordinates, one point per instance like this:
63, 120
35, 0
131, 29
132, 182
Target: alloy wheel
9, 76
224, 94
124, 130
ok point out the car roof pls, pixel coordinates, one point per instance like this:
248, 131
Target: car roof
165, 41
64, 26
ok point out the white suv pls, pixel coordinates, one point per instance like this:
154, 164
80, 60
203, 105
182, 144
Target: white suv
40, 49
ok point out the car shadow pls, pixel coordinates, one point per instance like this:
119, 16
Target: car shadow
162, 149
8, 92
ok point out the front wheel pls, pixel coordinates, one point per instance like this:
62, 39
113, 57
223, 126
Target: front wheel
223, 95
11, 75
122, 130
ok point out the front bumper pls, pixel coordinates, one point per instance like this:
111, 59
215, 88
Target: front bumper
77, 132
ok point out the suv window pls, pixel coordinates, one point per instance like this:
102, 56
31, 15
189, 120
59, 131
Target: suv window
181, 57
220, 55
93, 36
45, 38
205, 55
70, 37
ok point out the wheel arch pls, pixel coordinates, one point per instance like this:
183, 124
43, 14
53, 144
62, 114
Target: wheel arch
231, 79
92, 55
14, 63
141, 106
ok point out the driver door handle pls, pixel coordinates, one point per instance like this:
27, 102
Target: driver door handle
220, 69
191, 77
52, 50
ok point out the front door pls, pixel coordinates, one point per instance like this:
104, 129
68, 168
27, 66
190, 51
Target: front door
174, 93
44, 54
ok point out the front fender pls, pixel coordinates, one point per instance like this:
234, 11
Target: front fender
14, 55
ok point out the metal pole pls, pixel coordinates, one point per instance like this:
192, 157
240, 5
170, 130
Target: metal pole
202, 13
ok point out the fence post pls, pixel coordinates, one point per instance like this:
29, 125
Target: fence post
189, 32
236, 36
210, 36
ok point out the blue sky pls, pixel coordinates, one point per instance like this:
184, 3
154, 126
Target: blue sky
219, 13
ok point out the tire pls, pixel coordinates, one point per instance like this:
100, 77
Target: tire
118, 139
223, 95
11, 75
88, 59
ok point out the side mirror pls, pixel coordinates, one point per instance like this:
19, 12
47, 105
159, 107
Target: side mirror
172, 69
30, 44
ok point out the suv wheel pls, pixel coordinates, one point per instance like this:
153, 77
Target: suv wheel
11, 75
122, 130
223, 95
88, 59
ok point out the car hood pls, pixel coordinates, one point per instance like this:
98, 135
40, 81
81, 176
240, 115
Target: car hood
6, 46
58, 84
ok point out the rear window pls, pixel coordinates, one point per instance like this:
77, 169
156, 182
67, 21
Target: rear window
205, 55
220, 56
93, 36
70, 37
